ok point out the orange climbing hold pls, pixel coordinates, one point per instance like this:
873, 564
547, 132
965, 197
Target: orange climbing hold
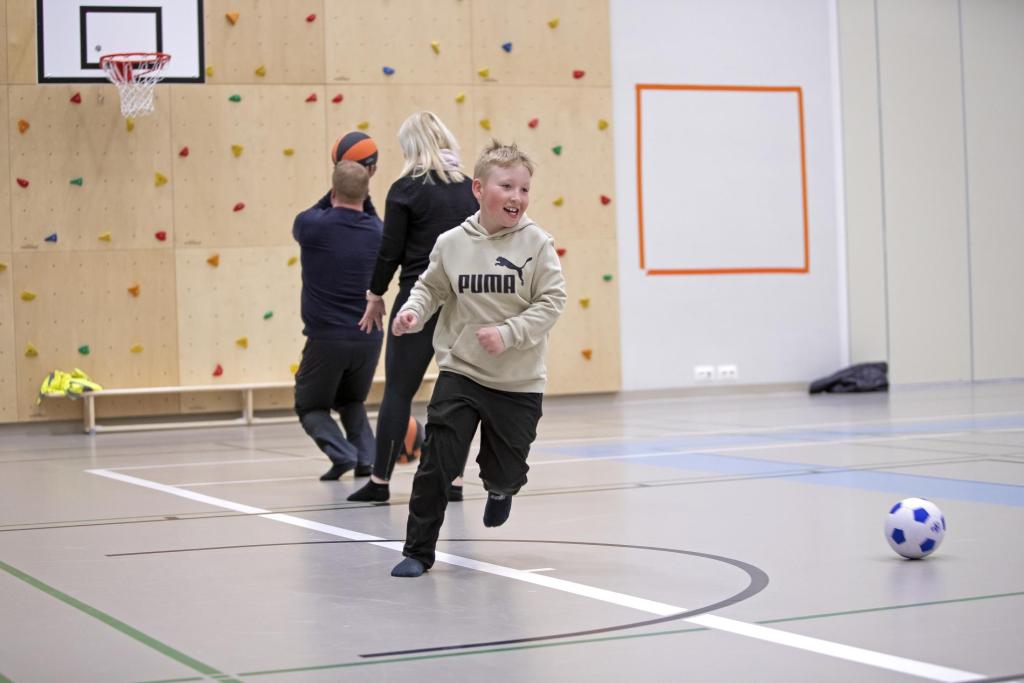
232, 17
587, 353
214, 260
135, 289
22, 125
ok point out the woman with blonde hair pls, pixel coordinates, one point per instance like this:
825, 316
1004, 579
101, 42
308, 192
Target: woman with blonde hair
432, 195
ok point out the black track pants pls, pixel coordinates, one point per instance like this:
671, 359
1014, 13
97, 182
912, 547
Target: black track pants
508, 426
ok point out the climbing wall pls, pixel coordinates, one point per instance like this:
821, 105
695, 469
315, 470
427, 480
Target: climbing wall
159, 251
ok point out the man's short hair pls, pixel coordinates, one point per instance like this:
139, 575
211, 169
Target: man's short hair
350, 181
497, 154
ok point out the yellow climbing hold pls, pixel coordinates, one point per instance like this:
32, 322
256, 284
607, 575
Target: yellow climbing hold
294, 367
3, 266
485, 124
363, 125
559, 201
288, 151
553, 23
27, 295
601, 124
106, 237
236, 150
261, 70
209, 70
484, 72
585, 303
136, 348
129, 124
160, 179
460, 98
242, 342
292, 260
435, 46
31, 351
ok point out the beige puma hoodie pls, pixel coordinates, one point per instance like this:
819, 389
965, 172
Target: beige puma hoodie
512, 280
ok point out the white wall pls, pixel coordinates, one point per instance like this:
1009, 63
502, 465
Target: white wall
775, 327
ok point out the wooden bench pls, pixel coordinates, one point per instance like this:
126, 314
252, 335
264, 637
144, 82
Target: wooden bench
248, 416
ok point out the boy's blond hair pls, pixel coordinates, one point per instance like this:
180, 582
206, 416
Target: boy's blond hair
350, 182
497, 154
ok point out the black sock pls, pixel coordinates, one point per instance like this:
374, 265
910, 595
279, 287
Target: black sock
497, 509
409, 568
454, 493
333, 474
372, 492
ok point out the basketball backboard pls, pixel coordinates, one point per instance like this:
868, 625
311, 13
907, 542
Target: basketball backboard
72, 35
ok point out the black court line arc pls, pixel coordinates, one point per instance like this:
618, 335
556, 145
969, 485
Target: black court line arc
758, 582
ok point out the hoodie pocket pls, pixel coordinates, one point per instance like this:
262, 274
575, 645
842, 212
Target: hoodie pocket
509, 367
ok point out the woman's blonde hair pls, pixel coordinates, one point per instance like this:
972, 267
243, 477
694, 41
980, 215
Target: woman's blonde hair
422, 138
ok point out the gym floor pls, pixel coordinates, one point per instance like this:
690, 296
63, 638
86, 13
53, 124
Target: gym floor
663, 536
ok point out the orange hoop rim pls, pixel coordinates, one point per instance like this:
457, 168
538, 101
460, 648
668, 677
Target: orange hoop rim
135, 58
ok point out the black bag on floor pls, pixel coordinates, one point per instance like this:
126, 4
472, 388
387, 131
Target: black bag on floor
856, 378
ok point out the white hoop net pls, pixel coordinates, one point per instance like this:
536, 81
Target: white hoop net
135, 75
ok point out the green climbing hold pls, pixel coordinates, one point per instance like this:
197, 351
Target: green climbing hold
84, 349
607, 277
557, 149
77, 181
268, 315
235, 98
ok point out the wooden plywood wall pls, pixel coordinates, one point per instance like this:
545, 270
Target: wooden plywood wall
182, 171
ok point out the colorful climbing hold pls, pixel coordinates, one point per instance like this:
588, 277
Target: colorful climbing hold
261, 71
337, 98
587, 353
77, 181
435, 46
237, 150
560, 251
606, 200
238, 207
27, 295
136, 348
52, 237
84, 349
363, 125
235, 98
288, 151
30, 350
585, 302
607, 277
578, 73
267, 315
183, 152
242, 342
22, 182
159, 179
76, 98
106, 237
388, 71
129, 124
214, 260
485, 124
310, 18
557, 149
209, 71
293, 368
601, 124
507, 47
460, 98
533, 123
135, 289
292, 260
311, 97
559, 201
218, 371
553, 23
22, 125
232, 17
484, 72
3, 266
161, 235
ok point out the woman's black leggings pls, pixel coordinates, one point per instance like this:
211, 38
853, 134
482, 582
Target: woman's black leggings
406, 359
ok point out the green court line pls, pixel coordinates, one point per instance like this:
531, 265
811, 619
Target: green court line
535, 646
124, 628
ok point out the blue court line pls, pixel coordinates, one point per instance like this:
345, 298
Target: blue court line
698, 455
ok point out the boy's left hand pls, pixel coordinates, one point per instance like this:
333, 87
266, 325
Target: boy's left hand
490, 339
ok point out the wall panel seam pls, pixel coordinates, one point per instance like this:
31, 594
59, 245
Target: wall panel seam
967, 188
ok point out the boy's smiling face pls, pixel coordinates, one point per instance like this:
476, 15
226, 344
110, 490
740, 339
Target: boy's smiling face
503, 196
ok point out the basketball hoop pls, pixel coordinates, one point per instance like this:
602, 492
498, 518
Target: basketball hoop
135, 74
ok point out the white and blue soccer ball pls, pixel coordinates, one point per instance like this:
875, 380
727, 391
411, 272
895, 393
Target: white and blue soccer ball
915, 527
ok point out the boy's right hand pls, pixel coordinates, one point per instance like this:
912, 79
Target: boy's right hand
404, 321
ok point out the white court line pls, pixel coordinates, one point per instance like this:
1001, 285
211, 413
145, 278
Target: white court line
205, 463
244, 481
847, 652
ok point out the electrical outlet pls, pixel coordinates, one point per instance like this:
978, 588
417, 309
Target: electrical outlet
703, 373
727, 373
